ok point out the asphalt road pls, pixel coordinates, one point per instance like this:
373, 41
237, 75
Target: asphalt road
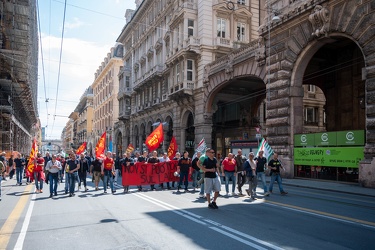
303, 219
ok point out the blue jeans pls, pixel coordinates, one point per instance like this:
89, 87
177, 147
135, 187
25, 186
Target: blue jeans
108, 174
67, 182
53, 179
184, 176
72, 181
276, 177
38, 176
19, 174
195, 175
229, 175
262, 176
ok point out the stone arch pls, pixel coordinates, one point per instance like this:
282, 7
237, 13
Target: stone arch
218, 81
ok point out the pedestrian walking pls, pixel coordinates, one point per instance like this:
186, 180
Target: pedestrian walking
261, 162
73, 166
241, 175
211, 178
19, 164
96, 172
39, 173
82, 172
183, 168
108, 168
250, 168
53, 167
275, 166
229, 170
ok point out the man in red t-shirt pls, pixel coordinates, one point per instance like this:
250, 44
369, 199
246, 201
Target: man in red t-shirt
38, 173
108, 168
229, 170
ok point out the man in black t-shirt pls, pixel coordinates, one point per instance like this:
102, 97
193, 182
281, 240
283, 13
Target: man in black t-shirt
261, 162
210, 168
96, 170
275, 165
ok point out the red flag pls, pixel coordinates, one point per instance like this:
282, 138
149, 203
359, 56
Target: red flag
130, 148
172, 148
81, 148
155, 138
100, 146
33, 153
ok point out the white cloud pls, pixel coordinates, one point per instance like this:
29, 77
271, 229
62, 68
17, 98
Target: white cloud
80, 60
75, 24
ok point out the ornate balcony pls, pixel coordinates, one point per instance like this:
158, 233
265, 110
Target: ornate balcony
182, 88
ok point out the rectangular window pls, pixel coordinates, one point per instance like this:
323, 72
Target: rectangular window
241, 2
221, 27
310, 115
190, 27
177, 72
127, 81
241, 32
189, 70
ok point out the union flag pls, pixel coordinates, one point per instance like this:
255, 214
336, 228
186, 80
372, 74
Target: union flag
81, 148
100, 146
172, 148
30, 166
155, 138
130, 148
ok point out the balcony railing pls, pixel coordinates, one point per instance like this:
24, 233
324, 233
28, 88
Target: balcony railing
156, 101
185, 87
218, 41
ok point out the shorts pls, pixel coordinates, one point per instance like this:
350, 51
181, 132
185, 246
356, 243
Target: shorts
97, 175
212, 184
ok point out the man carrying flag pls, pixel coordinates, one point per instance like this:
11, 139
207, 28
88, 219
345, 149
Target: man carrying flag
261, 163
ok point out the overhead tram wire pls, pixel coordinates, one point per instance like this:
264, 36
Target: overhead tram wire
58, 76
41, 52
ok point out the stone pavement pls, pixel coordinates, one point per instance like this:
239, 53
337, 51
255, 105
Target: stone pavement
343, 187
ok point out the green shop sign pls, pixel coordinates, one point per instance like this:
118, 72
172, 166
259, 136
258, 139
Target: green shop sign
341, 138
304, 140
351, 138
325, 139
329, 156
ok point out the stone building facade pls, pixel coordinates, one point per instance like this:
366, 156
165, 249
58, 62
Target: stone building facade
166, 47
329, 44
105, 90
85, 111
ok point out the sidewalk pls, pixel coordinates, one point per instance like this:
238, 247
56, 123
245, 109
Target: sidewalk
349, 188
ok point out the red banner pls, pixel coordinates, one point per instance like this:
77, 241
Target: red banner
147, 173
81, 148
130, 148
172, 150
100, 146
30, 166
155, 138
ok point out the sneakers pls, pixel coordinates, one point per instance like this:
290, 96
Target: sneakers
105, 191
284, 193
214, 205
248, 192
211, 206
50, 196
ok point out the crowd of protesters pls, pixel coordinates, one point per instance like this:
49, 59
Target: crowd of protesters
204, 170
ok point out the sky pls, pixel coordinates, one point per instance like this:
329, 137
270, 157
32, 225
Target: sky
91, 28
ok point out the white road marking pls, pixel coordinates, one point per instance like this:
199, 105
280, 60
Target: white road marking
25, 225
227, 231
